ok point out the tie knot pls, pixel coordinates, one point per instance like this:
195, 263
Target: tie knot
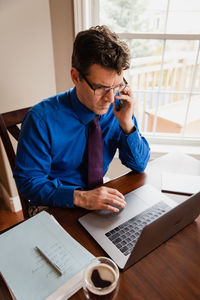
95, 121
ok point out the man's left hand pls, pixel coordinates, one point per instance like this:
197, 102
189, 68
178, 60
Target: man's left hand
124, 115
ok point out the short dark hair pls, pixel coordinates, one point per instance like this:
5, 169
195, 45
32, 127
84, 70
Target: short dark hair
98, 45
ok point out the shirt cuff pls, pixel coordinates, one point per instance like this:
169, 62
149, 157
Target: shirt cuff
133, 138
133, 142
64, 196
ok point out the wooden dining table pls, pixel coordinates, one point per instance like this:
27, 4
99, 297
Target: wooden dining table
171, 271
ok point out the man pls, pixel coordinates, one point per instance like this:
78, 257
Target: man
52, 165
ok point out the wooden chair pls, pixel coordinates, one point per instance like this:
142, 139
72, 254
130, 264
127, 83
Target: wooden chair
8, 123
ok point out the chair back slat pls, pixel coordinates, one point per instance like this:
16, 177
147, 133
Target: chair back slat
8, 123
14, 131
7, 143
15, 117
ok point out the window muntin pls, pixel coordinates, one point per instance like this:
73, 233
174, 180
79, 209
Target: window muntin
165, 69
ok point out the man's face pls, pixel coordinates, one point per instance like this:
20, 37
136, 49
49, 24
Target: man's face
98, 77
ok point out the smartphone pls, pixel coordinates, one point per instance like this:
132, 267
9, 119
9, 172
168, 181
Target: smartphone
118, 103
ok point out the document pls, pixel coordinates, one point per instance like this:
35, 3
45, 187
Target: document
28, 274
180, 183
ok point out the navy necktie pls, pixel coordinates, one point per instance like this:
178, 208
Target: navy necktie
95, 154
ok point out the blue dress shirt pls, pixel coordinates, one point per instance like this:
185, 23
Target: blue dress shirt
51, 149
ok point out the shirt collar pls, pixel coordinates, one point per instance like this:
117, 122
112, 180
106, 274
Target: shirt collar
84, 114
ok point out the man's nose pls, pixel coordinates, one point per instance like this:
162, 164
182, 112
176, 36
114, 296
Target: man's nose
109, 96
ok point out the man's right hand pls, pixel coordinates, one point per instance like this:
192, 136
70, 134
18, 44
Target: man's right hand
100, 198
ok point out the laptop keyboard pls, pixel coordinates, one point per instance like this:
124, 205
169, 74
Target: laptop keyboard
125, 236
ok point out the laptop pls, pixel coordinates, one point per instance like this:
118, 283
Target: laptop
149, 219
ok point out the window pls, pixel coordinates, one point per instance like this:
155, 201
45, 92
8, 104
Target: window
164, 39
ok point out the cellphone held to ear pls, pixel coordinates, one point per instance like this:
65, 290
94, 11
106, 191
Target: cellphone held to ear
118, 103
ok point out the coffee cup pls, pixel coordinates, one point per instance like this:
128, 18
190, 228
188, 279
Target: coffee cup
101, 279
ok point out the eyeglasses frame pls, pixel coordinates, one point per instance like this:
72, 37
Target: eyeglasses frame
108, 89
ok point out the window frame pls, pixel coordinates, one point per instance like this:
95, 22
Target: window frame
86, 14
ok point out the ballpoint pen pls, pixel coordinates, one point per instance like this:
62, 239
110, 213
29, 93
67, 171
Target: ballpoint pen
49, 261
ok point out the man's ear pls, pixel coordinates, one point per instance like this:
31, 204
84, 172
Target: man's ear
75, 76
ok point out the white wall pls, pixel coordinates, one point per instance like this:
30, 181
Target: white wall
62, 24
26, 53
36, 39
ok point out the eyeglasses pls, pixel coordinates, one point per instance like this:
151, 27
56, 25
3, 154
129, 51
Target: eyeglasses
102, 91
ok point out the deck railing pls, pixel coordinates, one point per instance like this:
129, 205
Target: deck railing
166, 92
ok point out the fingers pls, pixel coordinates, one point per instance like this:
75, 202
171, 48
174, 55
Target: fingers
126, 94
128, 91
115, 198
100, 198
115, 192
108, 197
124, 115
127, 103
110, 208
